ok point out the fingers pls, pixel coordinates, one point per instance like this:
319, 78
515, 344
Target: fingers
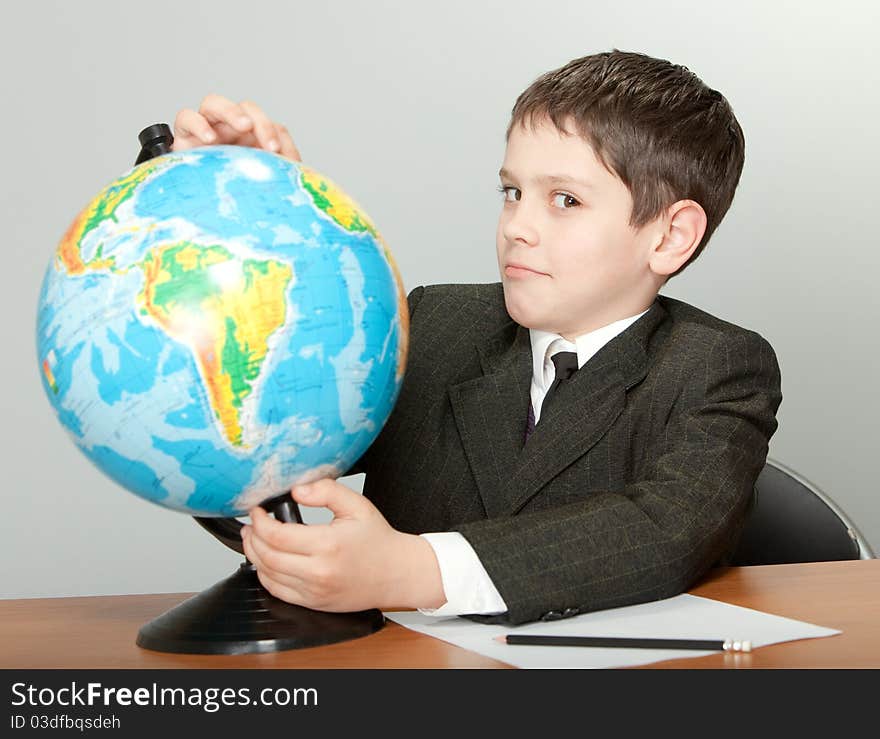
218, 109
288, 148
192, 129
219, 120
264, 129
282, 585
286, 593
294, 538
341, 500
283, 567
291, 577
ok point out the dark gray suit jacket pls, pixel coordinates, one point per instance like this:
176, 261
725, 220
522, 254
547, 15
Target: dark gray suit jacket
630, 488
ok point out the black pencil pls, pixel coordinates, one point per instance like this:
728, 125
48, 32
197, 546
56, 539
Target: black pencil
727, 645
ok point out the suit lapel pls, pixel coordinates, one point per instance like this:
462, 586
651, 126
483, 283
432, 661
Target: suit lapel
491, 410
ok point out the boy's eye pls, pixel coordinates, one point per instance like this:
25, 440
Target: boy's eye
504, 190
568, 201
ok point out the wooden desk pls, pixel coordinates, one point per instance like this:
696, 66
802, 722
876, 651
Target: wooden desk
100, 631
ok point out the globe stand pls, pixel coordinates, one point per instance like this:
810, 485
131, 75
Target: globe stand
239, 616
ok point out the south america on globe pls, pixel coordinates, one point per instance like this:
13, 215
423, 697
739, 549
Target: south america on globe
220, 324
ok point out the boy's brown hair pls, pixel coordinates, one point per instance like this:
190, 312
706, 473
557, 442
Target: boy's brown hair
653, 124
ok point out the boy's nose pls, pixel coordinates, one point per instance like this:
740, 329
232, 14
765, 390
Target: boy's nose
520, 227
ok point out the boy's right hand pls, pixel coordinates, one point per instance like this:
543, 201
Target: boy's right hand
221, 121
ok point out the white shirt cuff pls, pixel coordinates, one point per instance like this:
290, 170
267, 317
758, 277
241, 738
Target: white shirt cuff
466, 584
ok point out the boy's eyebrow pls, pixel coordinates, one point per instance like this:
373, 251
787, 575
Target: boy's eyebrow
550, 179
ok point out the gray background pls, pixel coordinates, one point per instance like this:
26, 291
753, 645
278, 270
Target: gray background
405, 105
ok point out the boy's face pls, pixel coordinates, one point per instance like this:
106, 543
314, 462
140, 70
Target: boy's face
590, 267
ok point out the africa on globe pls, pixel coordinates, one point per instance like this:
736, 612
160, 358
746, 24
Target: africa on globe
220, 324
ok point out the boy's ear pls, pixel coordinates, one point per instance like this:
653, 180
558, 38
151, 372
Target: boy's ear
682, 229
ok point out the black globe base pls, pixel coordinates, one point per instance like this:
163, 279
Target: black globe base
239, 616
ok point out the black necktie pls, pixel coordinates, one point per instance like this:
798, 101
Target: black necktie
566, 364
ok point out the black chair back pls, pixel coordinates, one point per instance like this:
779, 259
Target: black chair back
792, 520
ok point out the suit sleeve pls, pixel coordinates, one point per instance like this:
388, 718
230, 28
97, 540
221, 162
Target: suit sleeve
658, 535
362, 462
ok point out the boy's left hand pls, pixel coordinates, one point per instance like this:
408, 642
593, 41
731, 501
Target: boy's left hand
357, 561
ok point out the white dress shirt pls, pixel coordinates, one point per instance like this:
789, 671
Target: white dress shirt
466, 584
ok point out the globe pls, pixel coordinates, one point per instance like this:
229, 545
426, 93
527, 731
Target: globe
218, 325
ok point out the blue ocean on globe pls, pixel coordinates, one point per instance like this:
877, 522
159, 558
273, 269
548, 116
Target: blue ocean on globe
220, 324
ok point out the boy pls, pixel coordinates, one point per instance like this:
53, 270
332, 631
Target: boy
565, 440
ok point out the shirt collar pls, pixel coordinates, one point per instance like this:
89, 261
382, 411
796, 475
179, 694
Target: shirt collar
586, 345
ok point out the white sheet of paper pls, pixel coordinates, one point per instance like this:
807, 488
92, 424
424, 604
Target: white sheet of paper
681, 617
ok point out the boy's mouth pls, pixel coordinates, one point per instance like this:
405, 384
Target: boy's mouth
513, 269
